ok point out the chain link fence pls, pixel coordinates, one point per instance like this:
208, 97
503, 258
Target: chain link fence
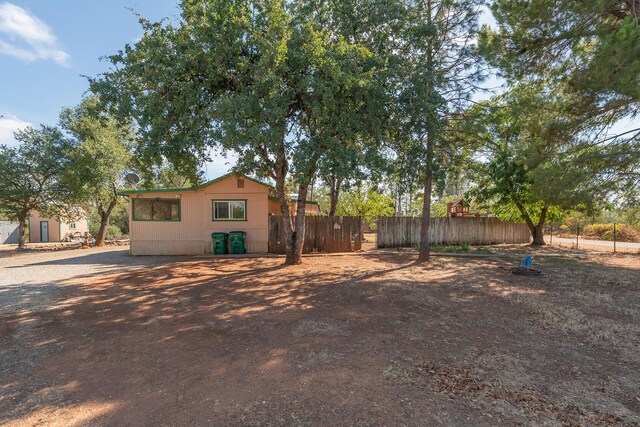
581, 236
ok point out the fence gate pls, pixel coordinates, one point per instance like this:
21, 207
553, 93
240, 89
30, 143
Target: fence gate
322, 234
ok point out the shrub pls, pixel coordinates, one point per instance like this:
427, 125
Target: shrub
113, 232
624, 233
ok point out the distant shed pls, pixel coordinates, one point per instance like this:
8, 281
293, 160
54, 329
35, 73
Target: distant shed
8, 232
458, 208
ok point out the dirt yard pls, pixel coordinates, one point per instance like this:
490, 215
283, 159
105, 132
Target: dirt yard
100, 338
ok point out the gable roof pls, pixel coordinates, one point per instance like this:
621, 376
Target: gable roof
197, 187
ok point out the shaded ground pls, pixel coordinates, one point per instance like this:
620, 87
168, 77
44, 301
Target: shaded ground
100, 338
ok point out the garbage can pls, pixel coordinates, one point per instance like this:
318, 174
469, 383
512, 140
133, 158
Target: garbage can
219, 242
237, 242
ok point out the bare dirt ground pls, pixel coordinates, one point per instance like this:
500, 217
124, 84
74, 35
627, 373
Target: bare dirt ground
101, 338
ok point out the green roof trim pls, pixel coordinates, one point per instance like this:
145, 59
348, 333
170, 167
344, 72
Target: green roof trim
197, 187
309, 202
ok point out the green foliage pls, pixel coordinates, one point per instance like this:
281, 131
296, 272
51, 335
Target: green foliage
31, 176
532, 164
281, 84
113, 232
595, 46
457, 249
167, 176
591, 51
438, 72
267, 72
510, 212
624, 233
101, 158
365, 202
438, 210
119, 218
102, 154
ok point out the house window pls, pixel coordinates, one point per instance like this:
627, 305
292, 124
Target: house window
72, 226
156, 209
229, 210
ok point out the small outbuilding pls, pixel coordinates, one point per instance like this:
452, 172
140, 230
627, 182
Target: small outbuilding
180, 221
9, 232
43, 229
457, 208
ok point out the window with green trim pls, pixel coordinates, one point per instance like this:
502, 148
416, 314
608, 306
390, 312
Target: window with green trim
229, 210
156, 209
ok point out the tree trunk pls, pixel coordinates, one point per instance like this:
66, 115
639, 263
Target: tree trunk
289, 224
426, 203
334, 194
21, 232
298, 244
104, 222
294, 227
287, 220
537, 230
538, 236
430, 127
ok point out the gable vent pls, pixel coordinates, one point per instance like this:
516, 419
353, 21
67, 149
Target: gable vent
240, 182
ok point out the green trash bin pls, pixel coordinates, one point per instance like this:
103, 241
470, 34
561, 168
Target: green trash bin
219, 242
237, 242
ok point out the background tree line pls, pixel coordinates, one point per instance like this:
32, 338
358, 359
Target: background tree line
375, 108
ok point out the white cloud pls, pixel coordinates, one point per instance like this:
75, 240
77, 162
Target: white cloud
8, 125
28, 38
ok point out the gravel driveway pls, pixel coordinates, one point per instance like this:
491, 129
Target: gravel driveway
30, 280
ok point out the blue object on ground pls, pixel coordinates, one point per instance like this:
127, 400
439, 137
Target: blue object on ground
527, 262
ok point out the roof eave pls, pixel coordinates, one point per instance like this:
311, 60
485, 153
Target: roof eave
197, 187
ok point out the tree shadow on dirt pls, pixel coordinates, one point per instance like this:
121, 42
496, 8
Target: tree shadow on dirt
250, 341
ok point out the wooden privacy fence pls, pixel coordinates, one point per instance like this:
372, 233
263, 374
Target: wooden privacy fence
394, 232
342, 234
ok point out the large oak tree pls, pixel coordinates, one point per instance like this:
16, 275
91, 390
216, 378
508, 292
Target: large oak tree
268, 80
100, 160
32, 176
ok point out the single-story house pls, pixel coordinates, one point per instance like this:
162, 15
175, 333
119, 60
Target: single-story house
42, 229
179, 221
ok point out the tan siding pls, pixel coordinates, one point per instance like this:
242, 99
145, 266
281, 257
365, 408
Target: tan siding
192, 234
34, 228
309, 209
274, 207
57, 231
81, 227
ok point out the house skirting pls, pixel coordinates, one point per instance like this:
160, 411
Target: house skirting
185, 247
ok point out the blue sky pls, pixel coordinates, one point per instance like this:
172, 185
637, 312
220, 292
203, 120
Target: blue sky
47, 46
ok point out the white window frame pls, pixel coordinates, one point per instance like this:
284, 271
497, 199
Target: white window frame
228, 201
